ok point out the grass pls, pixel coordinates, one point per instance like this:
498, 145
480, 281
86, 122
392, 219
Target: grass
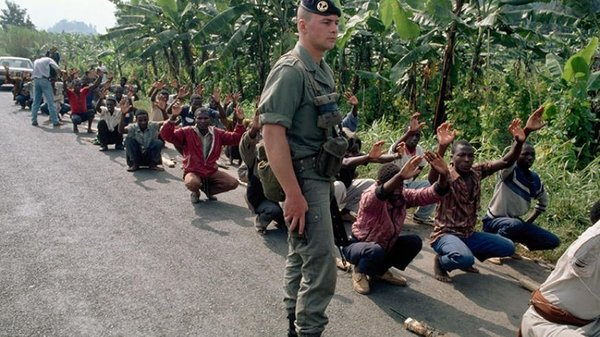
571, 192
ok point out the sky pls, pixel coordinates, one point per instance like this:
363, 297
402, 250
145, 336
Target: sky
45, 13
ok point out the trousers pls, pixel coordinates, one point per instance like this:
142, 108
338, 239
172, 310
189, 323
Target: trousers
310, 272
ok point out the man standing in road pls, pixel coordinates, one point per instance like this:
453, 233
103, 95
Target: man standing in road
42, 86
293, 136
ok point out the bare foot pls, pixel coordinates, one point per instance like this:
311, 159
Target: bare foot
439, 273
471, 269
156, 168
133, 168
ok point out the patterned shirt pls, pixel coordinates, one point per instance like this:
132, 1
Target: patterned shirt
457, 211
144, 138
380, 217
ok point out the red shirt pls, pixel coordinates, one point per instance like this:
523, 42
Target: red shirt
78, 102
190, 143
380, 219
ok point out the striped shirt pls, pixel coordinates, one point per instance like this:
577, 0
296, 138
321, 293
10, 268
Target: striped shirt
514, 192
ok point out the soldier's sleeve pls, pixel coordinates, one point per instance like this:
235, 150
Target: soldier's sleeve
282, 94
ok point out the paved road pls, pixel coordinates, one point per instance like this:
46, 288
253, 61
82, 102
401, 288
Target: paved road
88, 249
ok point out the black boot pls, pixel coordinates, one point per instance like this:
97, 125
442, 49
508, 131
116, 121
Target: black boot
291, 327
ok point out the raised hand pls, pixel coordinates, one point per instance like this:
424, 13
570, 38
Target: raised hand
411, 168
236, 97
227, 100
255, 122
199, 89
176, 108
515, 129
351, 98
103, 93
216, 95
124, 105
535, 121
414, 125
158, 85
436, 162
400, 149
182, 92
239, 113
445, 134
376, 150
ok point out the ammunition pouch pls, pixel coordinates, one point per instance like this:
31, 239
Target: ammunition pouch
329, 115
329, 159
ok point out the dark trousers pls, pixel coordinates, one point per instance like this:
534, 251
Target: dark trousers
23, 101
268, 211
371, 259
135, 155
106, 136
531, 235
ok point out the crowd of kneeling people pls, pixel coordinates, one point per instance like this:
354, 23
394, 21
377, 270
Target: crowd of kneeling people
377, 208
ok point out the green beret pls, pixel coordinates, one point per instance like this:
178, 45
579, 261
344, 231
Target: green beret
321, 7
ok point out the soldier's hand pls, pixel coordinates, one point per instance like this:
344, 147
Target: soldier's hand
294, 212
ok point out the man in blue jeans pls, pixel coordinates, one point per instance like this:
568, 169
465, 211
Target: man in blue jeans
454, 239
515, 189
42, 86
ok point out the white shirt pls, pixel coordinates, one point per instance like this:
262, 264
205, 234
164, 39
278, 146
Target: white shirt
574, 285
112, 121
41, 67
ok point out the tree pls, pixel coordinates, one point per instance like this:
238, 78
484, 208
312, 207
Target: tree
14, 15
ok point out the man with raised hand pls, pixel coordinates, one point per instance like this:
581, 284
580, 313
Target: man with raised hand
454, 239
201, 146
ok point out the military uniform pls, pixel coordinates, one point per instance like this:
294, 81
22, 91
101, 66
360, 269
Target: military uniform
288, 100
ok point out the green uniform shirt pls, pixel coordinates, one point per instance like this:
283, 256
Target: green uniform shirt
288, 100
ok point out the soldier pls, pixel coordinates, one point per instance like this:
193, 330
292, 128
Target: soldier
292, 139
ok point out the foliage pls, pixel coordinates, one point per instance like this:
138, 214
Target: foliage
508, 57
19, 41
14, 15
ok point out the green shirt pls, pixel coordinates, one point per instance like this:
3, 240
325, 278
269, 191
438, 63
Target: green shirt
288, 100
